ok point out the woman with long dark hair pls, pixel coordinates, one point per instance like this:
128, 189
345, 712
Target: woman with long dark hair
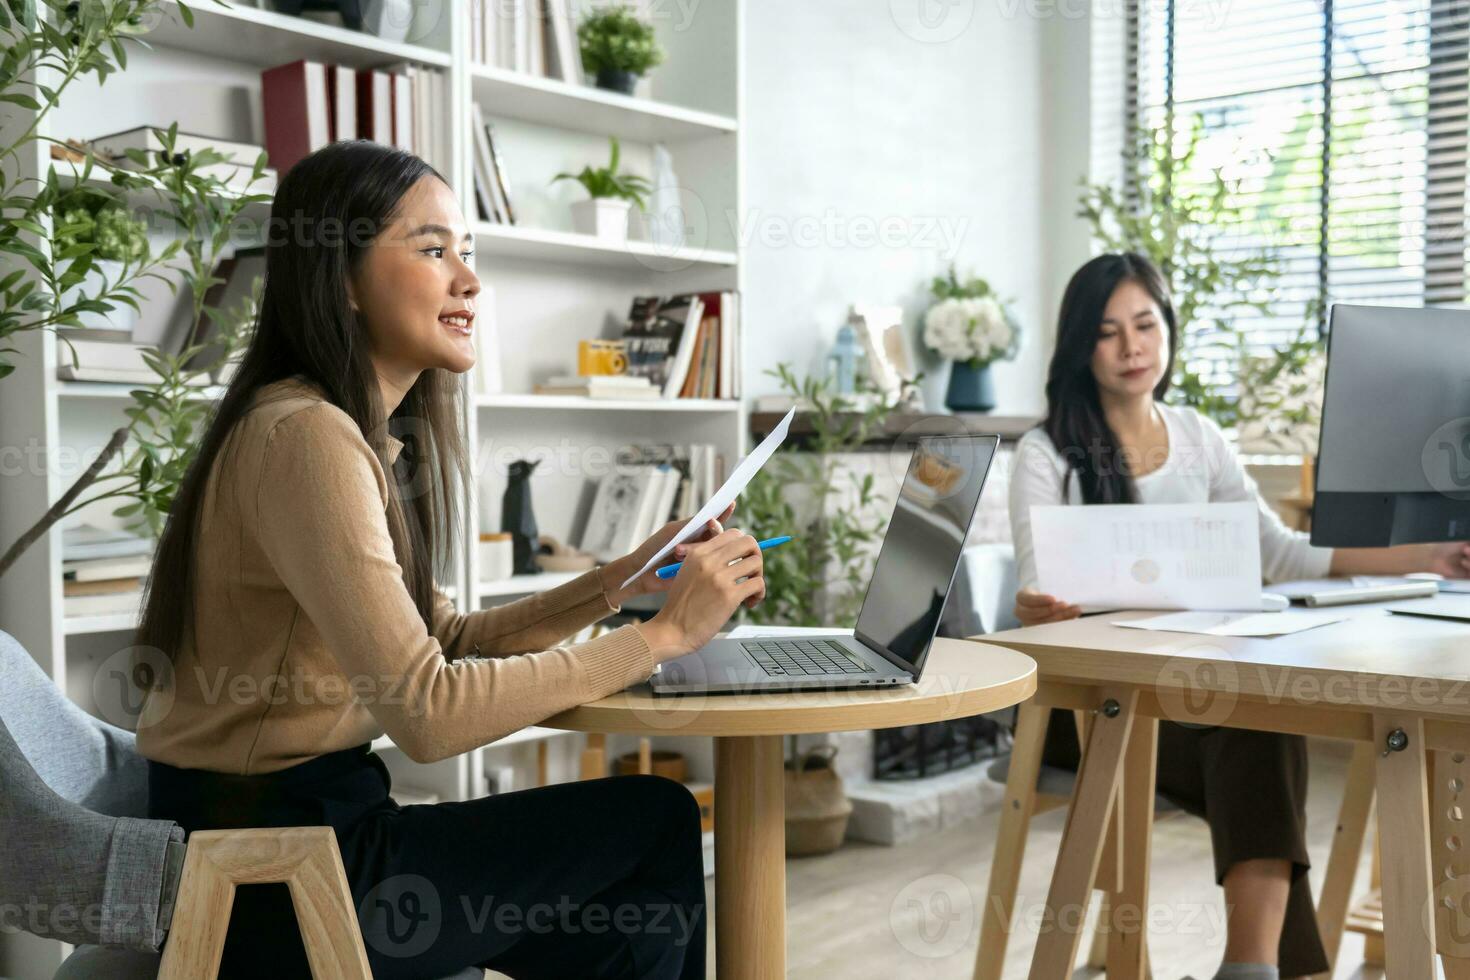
1108, 438
292, 618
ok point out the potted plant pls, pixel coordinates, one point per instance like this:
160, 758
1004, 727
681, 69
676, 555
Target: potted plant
970, 326
89, 216
611, 193
617, 48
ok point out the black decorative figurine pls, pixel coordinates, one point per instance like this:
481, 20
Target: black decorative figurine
351, 10
517, 517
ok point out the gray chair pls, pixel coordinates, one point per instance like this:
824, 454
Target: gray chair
86, 867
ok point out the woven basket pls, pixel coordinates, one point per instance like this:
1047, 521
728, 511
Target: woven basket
816, 806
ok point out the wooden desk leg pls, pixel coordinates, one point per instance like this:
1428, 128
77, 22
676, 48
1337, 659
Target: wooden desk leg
1347, 850
1450, 859
1128, 932
1082, 840
750, 858
1010, 840
1403, 836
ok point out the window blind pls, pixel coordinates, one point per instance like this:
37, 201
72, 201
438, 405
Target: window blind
1341, 126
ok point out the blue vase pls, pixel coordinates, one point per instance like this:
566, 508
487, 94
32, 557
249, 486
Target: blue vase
970, 388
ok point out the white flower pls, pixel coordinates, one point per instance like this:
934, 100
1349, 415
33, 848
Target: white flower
968, 329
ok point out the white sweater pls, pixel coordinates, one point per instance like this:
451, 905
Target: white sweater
1201, 468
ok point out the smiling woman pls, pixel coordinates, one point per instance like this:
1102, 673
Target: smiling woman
296, 567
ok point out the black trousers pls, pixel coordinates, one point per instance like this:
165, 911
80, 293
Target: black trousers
1251, 788
602, 878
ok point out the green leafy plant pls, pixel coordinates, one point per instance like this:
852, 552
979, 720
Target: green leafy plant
616, 40
834, 515
608, 181
87, 215
69, 41
1177, 220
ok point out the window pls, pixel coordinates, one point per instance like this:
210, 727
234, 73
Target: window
1342, 126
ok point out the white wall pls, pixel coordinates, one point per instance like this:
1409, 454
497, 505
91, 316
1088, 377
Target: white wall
885, 139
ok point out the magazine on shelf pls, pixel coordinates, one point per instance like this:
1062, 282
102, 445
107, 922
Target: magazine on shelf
659, 339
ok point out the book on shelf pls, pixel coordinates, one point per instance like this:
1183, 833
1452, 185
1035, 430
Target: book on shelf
649, 486
148, 140
308, 104
599, 386
101, 605
87, 541
105, 569
537, 37
297, 111
659, 339
491, 192
79, 359
102, 586
687, 345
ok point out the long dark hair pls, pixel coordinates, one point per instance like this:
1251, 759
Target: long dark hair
1074, 415
326, 212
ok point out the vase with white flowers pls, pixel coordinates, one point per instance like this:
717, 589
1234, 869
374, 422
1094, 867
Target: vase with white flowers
969, 325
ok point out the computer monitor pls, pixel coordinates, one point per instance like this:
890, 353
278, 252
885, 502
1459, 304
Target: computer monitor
1394, 458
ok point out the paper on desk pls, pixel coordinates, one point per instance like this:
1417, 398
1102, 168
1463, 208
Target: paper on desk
749, 467
1232, 624
1150, 556
1448, 605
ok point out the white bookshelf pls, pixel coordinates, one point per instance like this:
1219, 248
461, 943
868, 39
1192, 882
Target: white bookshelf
551, 288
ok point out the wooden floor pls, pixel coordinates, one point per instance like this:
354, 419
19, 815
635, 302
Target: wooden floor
912, 911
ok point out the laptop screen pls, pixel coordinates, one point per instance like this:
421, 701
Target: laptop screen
921, 550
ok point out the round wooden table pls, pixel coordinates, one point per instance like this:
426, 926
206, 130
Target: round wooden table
961, 679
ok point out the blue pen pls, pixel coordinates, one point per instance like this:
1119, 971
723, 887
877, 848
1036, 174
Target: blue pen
669, 571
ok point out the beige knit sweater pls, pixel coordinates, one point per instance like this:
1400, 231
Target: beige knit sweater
305, 639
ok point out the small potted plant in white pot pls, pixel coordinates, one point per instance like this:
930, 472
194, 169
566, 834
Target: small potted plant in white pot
610, 194
617, 48
87, 216
971, 327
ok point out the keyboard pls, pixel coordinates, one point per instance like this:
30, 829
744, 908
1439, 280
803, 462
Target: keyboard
783, 658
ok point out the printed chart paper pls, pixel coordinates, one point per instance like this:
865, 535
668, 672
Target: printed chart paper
1201, 557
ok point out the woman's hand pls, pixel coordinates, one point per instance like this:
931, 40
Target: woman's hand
1034, 608
706, 593
1452, 559
615, 573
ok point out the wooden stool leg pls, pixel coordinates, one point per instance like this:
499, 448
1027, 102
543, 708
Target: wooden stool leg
1010, 841
1403, 836
1082, 840
750, 858
1347, 850
594, 757
1128, 930
305, 858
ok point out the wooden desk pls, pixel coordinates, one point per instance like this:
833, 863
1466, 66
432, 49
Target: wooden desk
961, 679
1399, 686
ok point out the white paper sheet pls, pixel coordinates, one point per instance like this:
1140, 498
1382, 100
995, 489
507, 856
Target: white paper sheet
715, 506
1232, 624
1449, 605
1202, 557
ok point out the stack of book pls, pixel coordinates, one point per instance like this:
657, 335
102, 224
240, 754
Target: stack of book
102, 571
688, 346
538, 37
235, 171
492, 187
649, 486
114, 356
600, 386
308, 104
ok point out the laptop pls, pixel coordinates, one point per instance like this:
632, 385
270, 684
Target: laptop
901, 609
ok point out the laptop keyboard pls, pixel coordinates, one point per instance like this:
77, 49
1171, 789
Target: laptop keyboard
784, 658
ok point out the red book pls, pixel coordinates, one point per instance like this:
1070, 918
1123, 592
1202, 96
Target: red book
297, 111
